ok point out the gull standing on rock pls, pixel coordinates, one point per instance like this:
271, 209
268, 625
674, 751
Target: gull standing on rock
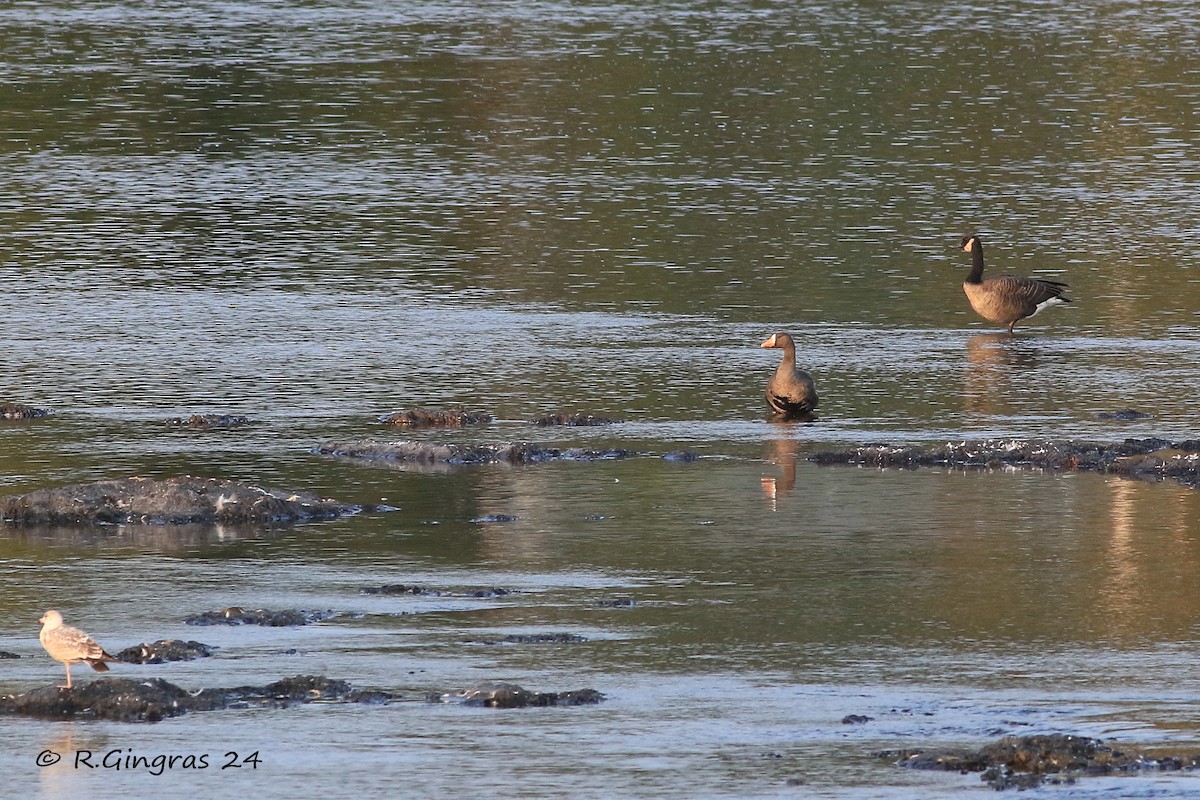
71, 645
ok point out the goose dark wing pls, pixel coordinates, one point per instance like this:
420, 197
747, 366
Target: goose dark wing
1027, 290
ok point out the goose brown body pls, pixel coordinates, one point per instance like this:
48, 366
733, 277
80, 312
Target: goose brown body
1006, 299
71, 645
790, 392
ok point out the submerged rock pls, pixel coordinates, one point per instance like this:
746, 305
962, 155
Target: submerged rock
260, 616
207, 421
616, 602
297, 689
401, 588
1026, 761
1127, 414
428, 453
174, 501
574, 420
6, 654
1151, 457
488, 519
421, 591
510, 695
428, 418
163, 651
536, 638
22, 411
126, 700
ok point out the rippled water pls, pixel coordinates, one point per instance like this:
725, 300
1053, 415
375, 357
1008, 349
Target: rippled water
316, 214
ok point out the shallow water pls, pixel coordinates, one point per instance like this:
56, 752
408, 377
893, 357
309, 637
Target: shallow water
319, 214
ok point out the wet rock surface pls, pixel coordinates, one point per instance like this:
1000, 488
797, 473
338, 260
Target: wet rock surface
616, 602
163, 651
510, 695
22, 411
1144, 458
429, 453
430, 418
260, 616
574, 420
534, 638
174, 501
1024, 762
396, 589
491, 519
1126, 414
207, 421
126, 700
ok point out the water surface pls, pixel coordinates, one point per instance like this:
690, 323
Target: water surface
314, 215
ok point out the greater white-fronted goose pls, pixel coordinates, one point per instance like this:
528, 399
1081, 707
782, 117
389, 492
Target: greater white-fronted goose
790, 392
1006, 299
70, 645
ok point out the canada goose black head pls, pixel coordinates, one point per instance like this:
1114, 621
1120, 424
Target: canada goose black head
969, 243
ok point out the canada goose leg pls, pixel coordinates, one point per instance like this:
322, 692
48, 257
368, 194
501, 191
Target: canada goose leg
1010, 327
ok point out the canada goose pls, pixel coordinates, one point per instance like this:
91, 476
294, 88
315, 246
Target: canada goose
790, 392
70, 645
1006, 299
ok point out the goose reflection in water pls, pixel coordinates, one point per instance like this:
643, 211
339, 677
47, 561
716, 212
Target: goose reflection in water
996, 373
784, 453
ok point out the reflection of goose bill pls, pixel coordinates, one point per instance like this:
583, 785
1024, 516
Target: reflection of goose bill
71, 645
1006, 299
790, 392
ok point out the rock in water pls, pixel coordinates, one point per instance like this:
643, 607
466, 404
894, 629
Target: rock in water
174, 501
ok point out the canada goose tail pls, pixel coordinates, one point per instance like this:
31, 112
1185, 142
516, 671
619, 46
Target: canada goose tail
1050, 301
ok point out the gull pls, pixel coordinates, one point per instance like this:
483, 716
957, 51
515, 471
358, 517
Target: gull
70, 645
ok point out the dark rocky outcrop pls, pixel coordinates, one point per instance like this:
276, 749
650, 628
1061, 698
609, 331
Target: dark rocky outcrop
421, 591
1127, 414
574, 420
535, 638
126, 700
5, 654
616, 602
207, 421
22, 411
259, 616
510, 695
1150, 458
1026, 761
173, 501
401, 589
489, 519
163, 651
428, 418
428, 453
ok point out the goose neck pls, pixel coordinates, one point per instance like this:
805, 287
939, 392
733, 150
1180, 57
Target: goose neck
976, 273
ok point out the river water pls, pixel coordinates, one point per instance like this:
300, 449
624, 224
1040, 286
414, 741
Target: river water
314, 214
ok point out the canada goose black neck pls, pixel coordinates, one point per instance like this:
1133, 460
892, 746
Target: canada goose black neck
976, 273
